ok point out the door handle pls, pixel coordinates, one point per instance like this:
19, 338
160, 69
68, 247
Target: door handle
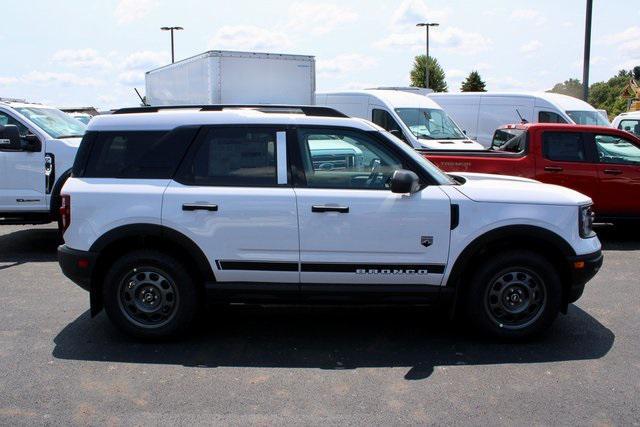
613, 171
553, 169
199, 207
329, 208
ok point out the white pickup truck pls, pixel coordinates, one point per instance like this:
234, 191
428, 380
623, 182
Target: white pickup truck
37, 147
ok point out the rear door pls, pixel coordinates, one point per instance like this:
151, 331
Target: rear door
619, 174
354, 230
567, 158
232, 197
22, 177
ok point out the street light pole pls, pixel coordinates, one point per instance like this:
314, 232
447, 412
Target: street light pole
172, 29
587, 51
426, 67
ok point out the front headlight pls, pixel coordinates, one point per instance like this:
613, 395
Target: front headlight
585, 221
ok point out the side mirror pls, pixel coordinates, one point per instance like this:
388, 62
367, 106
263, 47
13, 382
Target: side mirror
404, 181
31, 143
10, 138
398, 134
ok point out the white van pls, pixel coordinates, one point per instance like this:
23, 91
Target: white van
415, 119
481, 113
629, 121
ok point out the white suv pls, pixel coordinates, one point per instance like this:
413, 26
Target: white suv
168, 205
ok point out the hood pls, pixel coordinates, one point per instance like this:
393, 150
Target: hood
512, 189
71, 142
450, 144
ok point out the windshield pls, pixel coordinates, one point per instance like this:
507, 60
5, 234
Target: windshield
440, 177
430, 123
54, 122
588, 118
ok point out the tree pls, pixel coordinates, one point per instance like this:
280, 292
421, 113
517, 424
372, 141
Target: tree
606, 95
473, 83
636, 72
571, 87
436, 74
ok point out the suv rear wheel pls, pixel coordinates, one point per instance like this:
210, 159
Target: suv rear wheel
150, 294
515, 295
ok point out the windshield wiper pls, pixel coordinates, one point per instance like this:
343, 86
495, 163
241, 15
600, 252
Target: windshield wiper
423, 136
69, 136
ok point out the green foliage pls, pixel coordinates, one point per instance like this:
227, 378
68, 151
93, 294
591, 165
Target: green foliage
436, 74
602, 95
473, 83
571, 87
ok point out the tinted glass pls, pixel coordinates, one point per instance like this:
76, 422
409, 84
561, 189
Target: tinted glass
346, 159
632, 126
383, 119
564, 146
150, 155
6, 119
235, 157
502, 137
550, 117
613, 149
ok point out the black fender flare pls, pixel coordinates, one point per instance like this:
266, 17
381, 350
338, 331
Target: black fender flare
54, 202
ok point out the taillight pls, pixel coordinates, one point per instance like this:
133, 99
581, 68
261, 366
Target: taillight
65, 211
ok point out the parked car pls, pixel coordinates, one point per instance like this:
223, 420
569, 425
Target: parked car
163, 208
37, 152
481, 113
226, 77
414, 118
629, 122
603, 163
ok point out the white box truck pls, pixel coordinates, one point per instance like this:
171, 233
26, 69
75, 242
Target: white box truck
226, 77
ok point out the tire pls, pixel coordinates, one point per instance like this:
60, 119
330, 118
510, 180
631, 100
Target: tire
515, 296
149, 294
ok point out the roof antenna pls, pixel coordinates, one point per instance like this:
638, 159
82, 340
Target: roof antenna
522, 119
144, 102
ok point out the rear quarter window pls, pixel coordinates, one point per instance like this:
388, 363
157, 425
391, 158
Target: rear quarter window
134, 154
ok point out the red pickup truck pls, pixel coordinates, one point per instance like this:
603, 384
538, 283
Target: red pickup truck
603, 163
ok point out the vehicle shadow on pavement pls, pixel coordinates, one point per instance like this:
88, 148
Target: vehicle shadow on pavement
28, 245
333, 338
616, 239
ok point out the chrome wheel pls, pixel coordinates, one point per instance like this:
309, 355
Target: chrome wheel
148, 297
515, 298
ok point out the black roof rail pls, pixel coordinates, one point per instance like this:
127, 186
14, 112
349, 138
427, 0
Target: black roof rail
307, 110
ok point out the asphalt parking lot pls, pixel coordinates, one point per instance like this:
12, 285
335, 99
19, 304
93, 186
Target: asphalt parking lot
311, 366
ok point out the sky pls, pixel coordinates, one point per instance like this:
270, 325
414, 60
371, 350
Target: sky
71, 53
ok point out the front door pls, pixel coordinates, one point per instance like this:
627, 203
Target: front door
353, 229
567, 159
619, 173
232, 197
22, 177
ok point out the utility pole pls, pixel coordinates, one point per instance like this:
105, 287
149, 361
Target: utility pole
172, 29
587, 52
426, 67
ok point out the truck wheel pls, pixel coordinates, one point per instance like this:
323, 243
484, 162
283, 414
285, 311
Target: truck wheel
149, 294
515, 295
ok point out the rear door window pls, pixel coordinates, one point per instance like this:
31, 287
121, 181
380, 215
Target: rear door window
630, 125
137, 154
564, 146
242, 157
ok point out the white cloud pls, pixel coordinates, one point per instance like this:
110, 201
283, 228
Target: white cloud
85, 58
64, 79
319, 18
531, 47
145, 60
411, 12
451, 39
529, 16
128, 11
249, 37
627, 40
344, 63
6, 81
456, 74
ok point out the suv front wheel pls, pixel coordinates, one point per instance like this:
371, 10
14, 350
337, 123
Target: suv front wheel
150, 294
515, 295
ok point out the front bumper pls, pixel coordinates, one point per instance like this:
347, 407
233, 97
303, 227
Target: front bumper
77, 265
583, 268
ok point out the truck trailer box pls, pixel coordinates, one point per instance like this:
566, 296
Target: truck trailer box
226, 77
